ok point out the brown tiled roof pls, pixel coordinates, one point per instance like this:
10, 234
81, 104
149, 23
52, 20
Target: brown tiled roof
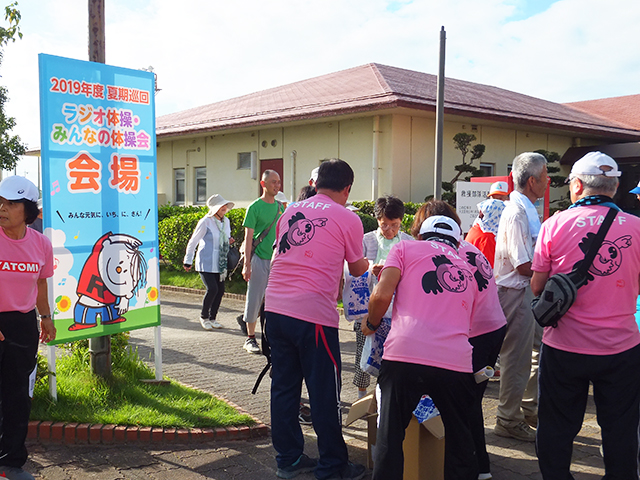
372, 87
625, 110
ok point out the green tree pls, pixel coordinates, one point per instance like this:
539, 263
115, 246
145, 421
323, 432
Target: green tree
10, 145
463, 142
557, 181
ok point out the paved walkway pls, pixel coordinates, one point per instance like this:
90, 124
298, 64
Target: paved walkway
215, 362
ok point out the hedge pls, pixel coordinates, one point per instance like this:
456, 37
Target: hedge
176, 224
175, 230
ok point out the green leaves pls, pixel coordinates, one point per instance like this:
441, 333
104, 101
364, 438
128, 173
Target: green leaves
12, 14
10, 145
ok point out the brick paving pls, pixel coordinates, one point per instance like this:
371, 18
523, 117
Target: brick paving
216, 363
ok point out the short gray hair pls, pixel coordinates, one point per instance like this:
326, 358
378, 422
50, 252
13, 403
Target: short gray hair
598, 184
266, 173
525, 166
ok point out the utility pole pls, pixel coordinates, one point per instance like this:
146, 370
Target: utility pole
99, 347
437, 165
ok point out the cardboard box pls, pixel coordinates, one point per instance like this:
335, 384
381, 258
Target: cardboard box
424, 450
423, 443
367, 409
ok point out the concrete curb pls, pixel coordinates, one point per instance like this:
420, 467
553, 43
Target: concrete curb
84, 433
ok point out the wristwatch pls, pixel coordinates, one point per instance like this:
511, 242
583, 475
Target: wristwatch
42, 317
373, 328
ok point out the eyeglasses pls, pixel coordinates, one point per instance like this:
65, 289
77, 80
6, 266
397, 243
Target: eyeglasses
393, 226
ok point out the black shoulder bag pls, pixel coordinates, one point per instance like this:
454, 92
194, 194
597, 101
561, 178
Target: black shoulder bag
561, 289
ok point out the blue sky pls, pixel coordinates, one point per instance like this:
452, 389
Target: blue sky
205, 51
525, 9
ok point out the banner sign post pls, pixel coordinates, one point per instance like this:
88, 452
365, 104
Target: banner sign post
99, 196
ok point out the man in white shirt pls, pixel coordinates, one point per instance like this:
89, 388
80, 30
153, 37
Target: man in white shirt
519, 226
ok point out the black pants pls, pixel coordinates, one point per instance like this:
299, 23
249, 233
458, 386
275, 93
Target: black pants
563, 391
485, 353
402, 385
17, 361
213, 297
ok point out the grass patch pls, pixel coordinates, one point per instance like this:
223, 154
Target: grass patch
180, 278
122, 399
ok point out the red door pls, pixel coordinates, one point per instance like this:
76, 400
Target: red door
271, 164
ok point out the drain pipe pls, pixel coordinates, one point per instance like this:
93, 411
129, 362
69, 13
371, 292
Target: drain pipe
374, 176
294, 157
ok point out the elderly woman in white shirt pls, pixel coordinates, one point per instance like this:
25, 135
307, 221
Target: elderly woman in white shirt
389, 212
212, 236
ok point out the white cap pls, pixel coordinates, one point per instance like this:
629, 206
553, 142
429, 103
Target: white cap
596, 163
281, 197
352, 207
18, 188
441, 224
314, 175
215, 202
500, 188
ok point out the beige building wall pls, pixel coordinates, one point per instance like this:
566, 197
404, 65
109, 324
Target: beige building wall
356, 148
311, 144
423, 134
406, 151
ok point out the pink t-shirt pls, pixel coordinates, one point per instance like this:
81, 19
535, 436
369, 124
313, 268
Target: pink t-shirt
432, 310
313, 239
22, 263
488, 315
601, 321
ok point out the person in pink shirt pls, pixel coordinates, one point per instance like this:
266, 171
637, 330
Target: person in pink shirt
427, 350
488, 325
597, 341
314, 237
26, 261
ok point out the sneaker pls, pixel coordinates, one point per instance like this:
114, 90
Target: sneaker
532, 420
304, 464
353, 471
485, 476
15, 473
206, 324
215, 324
304, 416
251, 345
521, 431
242, 324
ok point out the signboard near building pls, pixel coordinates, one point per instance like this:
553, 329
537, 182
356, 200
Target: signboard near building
468, 196
99, 196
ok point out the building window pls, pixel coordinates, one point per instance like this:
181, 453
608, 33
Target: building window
244, 161
201, 184
488, 169
179, 183
509, 168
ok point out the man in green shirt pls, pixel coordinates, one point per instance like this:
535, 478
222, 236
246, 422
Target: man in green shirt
261, 216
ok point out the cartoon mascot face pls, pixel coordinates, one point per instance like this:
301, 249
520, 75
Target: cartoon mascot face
452, 278
609, 256
446, 276
118, 265
301, 231
484, 267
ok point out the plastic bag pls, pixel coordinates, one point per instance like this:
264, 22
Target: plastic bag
373, 348
355, 296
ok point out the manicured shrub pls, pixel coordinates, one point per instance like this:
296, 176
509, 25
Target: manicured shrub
175, 230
